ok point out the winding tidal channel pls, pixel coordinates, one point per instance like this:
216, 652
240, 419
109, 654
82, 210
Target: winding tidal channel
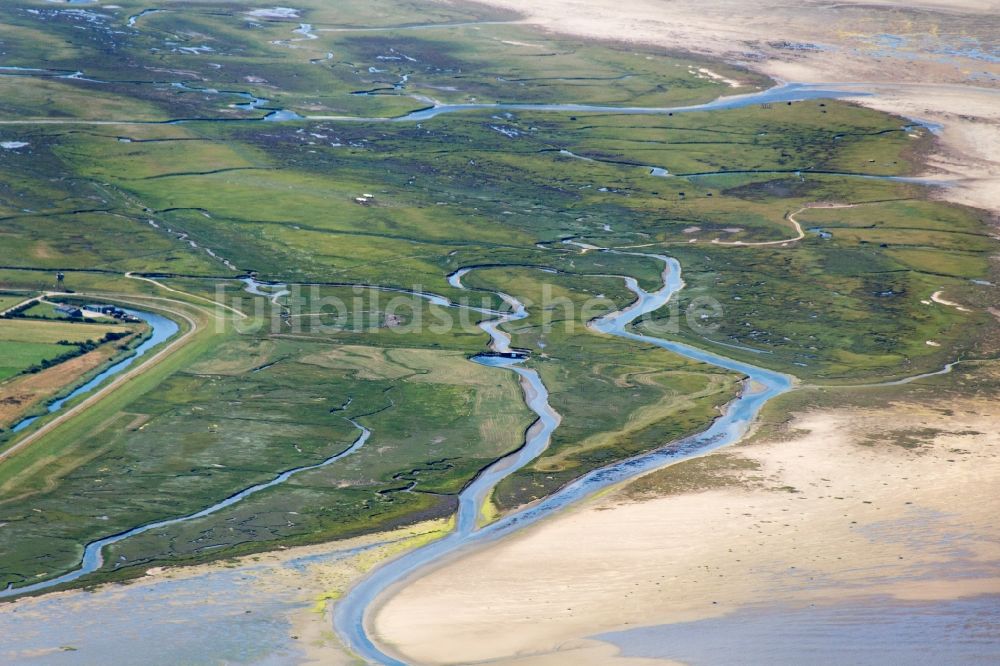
93, 558
351, 613
161, 329
783, 92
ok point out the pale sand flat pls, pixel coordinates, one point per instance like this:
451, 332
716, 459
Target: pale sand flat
825, 518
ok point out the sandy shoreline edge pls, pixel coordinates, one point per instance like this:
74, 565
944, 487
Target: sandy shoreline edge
597, 566
968, 148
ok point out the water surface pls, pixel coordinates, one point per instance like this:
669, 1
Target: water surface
161, 329
874, 631
93, 553
351, 613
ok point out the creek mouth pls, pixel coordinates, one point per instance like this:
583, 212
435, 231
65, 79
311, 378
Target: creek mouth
351, 614
351, 611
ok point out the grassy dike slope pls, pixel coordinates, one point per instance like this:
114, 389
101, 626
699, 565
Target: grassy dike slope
247, 409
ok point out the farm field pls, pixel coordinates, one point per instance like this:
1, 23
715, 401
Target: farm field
27, 330
10, 300
20, 355
28, 343
44, 353
309, 259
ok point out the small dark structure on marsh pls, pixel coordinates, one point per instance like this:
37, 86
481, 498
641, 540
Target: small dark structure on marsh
69, 310
519, 355
110, 311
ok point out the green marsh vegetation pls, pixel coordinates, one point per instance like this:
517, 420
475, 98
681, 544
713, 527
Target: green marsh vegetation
36, 344
243, 400
646, 395
218, 50
218, 427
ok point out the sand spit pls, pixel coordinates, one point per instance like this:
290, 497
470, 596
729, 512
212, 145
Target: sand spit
847, 509
896, 503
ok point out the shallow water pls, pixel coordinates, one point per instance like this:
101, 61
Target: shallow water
873, 631
132, 20
237, 615
274, 290
162, 329
251, 104
789, 92
281, 115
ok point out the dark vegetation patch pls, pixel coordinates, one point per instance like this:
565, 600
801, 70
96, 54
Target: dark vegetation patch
711, 472
770, 189
912, 438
